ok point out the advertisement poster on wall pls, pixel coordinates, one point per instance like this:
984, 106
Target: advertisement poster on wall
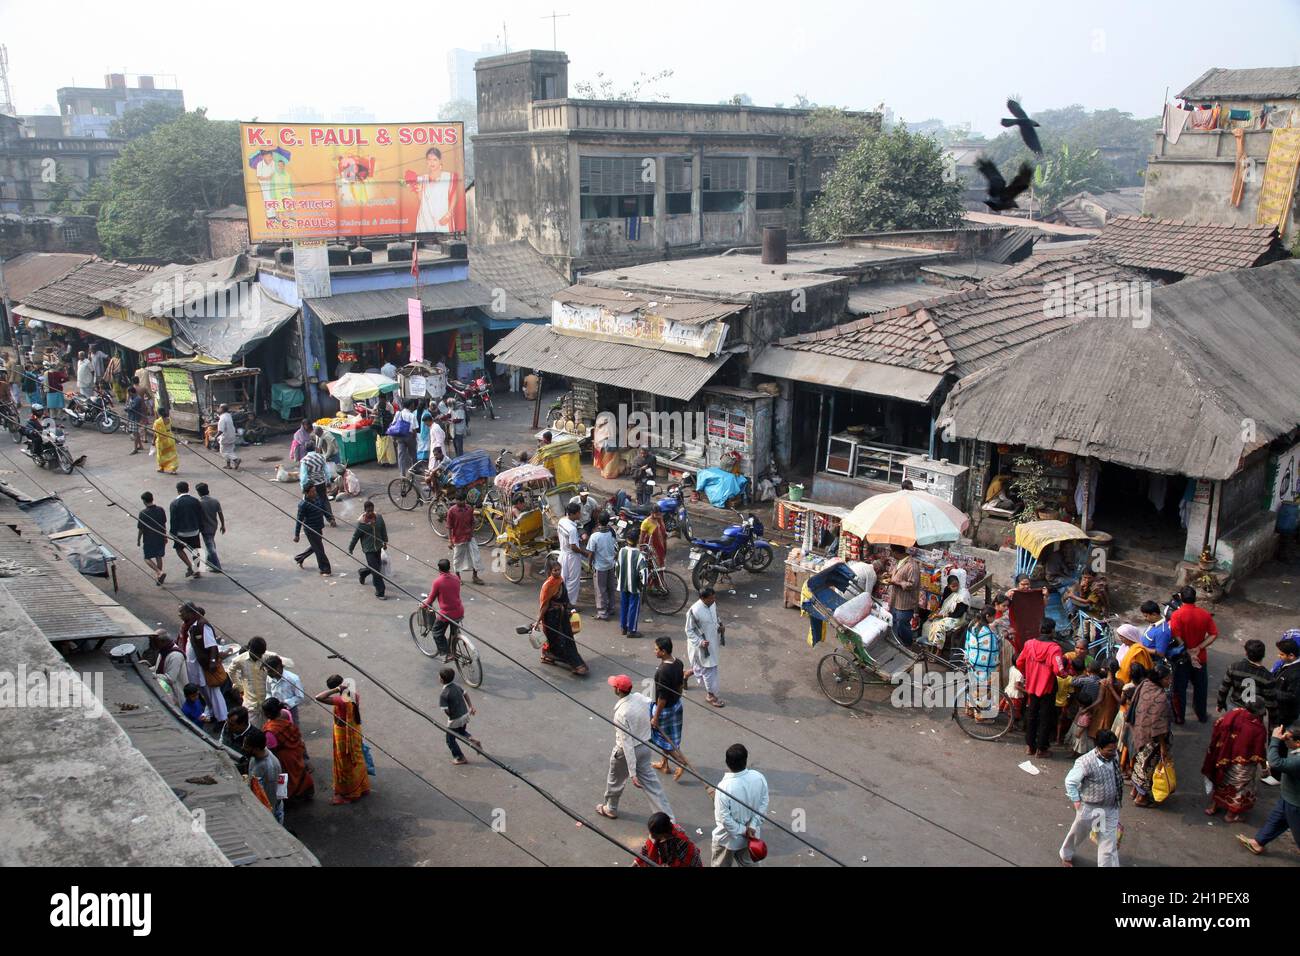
305, 181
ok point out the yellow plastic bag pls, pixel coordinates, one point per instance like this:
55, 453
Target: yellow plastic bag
1164, 782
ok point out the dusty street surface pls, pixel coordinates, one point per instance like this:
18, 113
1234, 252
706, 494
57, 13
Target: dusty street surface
873, 785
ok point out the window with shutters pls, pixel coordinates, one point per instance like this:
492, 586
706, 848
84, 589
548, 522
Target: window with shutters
616, 187
722, 182
678, 183
775, 186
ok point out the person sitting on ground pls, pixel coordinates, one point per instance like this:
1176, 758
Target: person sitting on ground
668, 845
193, 706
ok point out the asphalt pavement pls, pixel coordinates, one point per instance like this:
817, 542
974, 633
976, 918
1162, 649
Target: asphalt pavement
871, 785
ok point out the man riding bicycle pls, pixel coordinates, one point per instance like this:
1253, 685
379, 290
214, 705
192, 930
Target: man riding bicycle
449, 612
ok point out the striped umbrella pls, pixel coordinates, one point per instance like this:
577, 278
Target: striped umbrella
906, 518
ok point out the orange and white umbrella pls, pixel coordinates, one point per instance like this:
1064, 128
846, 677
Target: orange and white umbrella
907, 518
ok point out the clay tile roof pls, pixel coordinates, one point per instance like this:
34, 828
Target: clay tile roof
1191, 249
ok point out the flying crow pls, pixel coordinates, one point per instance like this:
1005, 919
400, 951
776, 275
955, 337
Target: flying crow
1002, 195
1026, 126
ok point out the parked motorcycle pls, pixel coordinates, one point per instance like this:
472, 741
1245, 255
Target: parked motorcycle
741, 546
54, 450
475, 394
672, 506
100, 411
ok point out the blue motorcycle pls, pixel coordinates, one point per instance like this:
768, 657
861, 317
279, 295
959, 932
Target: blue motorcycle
673, 507
741, 546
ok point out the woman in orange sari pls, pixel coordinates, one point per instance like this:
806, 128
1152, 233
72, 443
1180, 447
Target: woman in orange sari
350, 779
554, 620
285, 741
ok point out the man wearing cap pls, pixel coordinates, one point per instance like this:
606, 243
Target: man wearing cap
631, 756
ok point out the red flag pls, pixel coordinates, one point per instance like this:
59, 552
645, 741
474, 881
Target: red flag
415, 259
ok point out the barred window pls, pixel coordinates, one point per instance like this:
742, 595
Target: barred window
614, 176
775, 176
678, 172
723, 174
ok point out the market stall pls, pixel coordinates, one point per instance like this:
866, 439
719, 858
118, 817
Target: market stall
816, 530
354, 431
422, 380
183, 387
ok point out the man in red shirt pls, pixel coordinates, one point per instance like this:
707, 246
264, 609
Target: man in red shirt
1195, 628
1041, 662
460, 532
445, 594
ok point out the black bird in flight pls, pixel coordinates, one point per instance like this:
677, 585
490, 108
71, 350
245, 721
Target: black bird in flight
1001, 194
1026, 126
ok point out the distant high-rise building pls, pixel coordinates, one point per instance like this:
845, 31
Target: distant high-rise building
460, 72
90, 111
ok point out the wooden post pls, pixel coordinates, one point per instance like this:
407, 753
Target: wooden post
1086, 478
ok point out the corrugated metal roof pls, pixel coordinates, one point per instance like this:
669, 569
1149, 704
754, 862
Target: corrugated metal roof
670, 307
670, 374
1189, 248
1169, 397
135, 338
31, 270
171, 288
1270, 82
856, 375
390, 303
77, 292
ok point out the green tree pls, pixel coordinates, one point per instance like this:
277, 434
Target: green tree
891, 179
143, 120
466, 112
1085, 131
66, 199
161, 184
1068, 171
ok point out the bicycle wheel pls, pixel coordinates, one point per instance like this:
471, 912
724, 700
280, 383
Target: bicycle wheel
979, 721
404, 493
485, 531
422, 632
438, 517
467, 661
514, 569
840, 679
665, 592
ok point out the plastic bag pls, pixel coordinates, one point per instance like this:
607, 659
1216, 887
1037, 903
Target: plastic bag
385, 563
1164, 782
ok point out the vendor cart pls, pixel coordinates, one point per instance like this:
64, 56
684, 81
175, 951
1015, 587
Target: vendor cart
869, 652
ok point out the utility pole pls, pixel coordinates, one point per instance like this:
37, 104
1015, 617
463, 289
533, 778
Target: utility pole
554, 18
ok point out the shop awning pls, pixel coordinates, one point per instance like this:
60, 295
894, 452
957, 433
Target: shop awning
132, 337
670, 374
225, 337
386, 330
374, 304
871, 378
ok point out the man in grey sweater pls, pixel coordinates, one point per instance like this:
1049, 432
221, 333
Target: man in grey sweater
1095, 786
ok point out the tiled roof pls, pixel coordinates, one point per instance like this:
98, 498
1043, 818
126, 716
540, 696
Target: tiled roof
903, 337
522, 272
1192, 249
1264, 83
77, 293
31, 270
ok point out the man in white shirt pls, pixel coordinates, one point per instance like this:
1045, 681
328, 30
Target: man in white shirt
631, 758
703, 638
227, 437
85, 376
247, 671
571, 551
586, 510
283, 684
739, 806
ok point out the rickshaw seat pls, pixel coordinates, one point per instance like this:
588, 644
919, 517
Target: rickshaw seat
528, 527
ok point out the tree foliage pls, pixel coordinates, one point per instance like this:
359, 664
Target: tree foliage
143, 120
1067, 172
466, 112
161, 184
1085, 131
607, 88
891, 179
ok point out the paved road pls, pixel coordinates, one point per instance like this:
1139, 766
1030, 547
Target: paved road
873, 784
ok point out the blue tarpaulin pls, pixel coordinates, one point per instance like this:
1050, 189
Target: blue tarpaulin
720, 486
469, 468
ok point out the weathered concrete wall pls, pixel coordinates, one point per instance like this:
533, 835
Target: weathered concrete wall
522, 192
75, 792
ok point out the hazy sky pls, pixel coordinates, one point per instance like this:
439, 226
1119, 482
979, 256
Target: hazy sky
923, 58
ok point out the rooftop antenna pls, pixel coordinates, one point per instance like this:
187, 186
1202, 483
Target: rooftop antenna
554, 18
505, 38
6, 95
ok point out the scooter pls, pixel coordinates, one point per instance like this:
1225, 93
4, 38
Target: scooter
741, 546
54, 450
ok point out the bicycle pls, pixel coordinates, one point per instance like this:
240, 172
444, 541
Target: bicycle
463, 652
410, 491
665, 591
979, 717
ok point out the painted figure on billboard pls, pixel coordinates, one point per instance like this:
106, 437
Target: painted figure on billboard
354, 180
271, 166
441, 205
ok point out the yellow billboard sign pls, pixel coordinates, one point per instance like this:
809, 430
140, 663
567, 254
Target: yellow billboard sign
305, 181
